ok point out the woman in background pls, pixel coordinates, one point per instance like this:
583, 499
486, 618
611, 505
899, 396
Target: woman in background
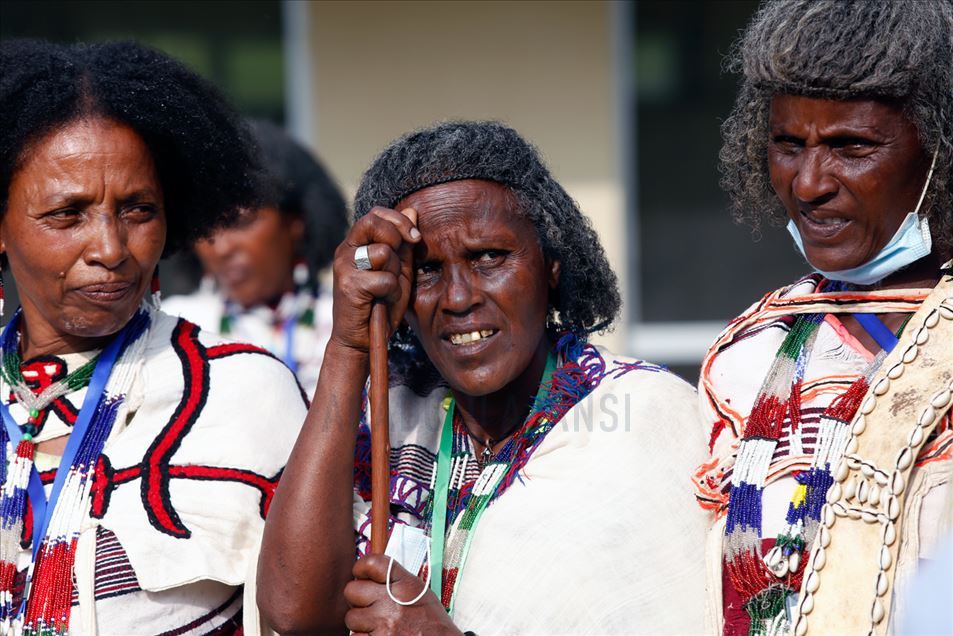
261, 273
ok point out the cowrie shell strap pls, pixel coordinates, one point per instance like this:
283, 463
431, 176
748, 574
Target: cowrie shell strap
909, 396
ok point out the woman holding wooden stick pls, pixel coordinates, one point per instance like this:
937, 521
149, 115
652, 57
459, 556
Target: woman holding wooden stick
534, 477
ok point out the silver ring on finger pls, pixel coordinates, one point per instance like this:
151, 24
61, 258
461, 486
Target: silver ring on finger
362, 259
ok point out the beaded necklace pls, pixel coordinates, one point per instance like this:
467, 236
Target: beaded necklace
32, 402
487, 487
769, 584
488, 443
564, 385
581, 369
47, 596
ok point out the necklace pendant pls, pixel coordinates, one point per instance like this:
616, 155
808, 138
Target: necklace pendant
486, 455
777, 562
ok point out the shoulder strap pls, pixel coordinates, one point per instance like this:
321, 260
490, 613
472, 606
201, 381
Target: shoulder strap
849, 578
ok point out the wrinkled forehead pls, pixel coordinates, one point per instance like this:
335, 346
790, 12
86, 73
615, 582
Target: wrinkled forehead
469, 209
464, 202
81, 160
877, 119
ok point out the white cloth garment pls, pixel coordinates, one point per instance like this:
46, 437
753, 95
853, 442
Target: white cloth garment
599, 534
176, 514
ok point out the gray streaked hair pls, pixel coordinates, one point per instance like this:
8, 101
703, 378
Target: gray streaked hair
900, 52
586, 299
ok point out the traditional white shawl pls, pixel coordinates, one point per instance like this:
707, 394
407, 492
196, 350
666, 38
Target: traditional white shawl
600, 535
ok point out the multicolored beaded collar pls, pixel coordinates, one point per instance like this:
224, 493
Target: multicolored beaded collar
573, 371
496, 475
54, 531
768, 584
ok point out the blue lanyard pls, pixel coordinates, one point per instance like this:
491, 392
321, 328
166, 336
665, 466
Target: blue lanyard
42, 509
289, 358
877, 330
34, 487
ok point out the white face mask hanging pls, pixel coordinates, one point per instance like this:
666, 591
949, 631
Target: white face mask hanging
910, 243
408, 546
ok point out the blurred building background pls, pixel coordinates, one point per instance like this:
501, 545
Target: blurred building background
623, 99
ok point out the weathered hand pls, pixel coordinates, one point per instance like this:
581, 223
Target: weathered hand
372, 610
389, 237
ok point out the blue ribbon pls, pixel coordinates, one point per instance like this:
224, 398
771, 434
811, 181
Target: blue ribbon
877, 330
34, 487
43, 509
289, 358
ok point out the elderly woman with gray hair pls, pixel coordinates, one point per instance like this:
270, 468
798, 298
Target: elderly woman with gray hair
828, 401
533, 487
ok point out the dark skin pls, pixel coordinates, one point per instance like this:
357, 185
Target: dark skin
480, 267
253, 262
458, 258
847, 173
83, 231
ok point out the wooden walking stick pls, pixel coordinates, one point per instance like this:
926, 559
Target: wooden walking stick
380, 438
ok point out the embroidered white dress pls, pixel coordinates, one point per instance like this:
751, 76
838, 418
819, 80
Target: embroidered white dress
177, 507
597, 535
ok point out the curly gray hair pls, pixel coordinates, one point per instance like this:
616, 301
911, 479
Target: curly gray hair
841, 49
586, 299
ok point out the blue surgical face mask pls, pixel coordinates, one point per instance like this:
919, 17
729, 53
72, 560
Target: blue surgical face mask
910, 243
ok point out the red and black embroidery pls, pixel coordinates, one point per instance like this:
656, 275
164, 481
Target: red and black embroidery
114, 574
65, 410
231, 626
156, 470
42, 371
233, 348
155, 477
107, 479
